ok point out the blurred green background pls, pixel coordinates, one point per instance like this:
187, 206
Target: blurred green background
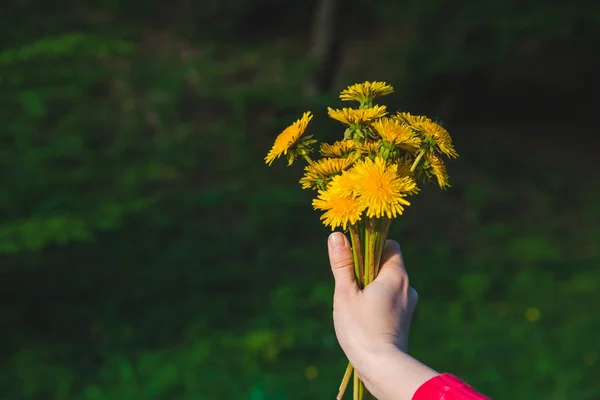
146, 251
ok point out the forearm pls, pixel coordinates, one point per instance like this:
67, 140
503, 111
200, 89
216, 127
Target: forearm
394, 375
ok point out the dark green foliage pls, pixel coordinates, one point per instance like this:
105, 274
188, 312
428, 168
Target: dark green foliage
146, 251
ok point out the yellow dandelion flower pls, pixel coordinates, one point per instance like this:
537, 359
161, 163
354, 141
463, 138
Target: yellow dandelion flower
288, 138
340, 148
410, 119
340, 209
380, 189
343, 183
323, 169
439, 135
397, 134
439, 169
366, 92
368, 147
431, 132
350, 116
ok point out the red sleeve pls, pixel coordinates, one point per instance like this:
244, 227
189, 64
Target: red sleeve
447, 387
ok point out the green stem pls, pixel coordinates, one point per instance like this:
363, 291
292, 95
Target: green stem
371, 243
355, 391
345, 381
377, 251
308, 159
359, 388
414, 166
383, 228
368, 252
359, 266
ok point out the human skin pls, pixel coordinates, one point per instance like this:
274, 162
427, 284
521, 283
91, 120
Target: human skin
372, 325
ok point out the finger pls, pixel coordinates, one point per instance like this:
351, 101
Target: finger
392, 255
342, 262
392, 265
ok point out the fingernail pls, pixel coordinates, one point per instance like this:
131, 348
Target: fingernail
337, 241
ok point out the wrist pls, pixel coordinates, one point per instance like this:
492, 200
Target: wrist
391, 374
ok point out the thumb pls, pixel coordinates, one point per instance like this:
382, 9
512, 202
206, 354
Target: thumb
342, 262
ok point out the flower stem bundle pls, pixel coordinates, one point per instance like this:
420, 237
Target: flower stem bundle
363, 180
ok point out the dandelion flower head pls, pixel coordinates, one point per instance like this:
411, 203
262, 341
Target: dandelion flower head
366, 92
341, 148
398, 134
439, 169
431, 132
323, 169
368, 147
350, 116
380, 189
288, 138
340, 209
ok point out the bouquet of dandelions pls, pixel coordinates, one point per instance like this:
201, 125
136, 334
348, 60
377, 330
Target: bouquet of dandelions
362, 181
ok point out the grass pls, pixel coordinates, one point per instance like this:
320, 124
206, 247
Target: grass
221, 288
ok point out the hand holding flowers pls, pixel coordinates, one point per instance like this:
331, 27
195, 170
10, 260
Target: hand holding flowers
363, 180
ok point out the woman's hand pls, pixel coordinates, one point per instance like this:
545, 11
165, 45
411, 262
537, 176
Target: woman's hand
372, 325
